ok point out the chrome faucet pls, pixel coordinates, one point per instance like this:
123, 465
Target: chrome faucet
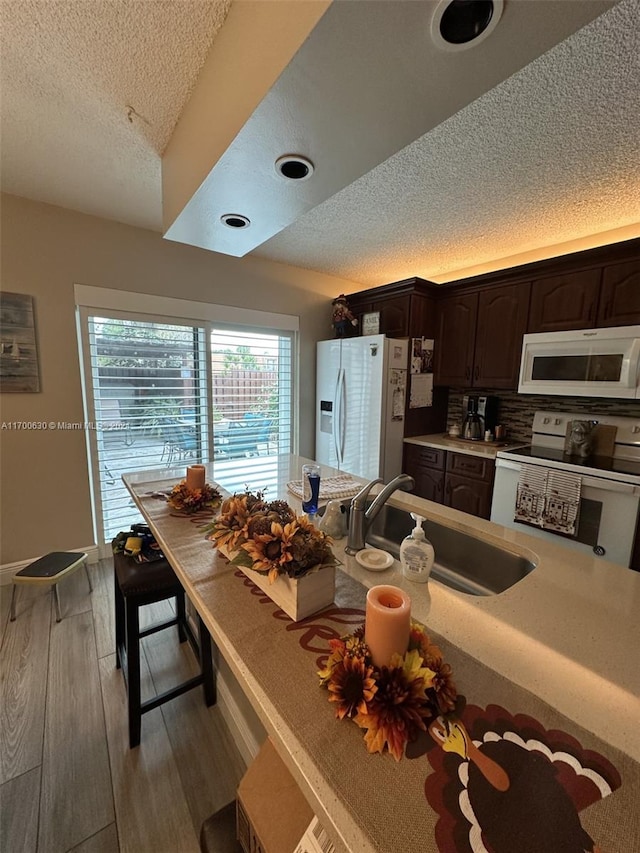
361, 519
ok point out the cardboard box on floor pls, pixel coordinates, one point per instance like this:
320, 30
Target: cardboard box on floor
272, 813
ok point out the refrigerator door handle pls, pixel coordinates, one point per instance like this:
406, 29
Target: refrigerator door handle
339, 420
336, 416
343, 416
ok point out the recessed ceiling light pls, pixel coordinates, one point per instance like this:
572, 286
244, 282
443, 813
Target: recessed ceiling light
235, 220
461, 24
294, 167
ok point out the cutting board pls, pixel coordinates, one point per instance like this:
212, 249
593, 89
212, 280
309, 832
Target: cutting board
603, 439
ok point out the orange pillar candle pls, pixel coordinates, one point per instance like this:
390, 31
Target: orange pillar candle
196, 476
387, 623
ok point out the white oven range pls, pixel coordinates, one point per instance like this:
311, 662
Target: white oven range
609, 486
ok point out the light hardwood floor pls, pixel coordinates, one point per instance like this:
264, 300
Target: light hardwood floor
68, 780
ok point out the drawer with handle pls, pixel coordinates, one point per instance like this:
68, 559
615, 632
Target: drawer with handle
425, 457
470, 466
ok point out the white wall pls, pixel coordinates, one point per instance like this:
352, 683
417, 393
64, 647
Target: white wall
45, 250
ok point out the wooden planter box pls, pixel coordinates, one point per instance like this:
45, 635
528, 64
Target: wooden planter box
298, 597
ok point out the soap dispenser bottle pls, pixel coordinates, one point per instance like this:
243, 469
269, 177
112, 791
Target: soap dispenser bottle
416, 553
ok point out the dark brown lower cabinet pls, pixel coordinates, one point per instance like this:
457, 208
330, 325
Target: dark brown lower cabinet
458, 480
468, 484
472, 496
426, 466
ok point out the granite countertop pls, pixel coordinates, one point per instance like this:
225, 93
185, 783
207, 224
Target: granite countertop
443, 441
567, 632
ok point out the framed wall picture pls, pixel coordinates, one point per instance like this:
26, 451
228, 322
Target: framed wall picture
18, 352
371, 323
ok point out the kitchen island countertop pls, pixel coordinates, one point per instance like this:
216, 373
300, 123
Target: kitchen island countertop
567, 632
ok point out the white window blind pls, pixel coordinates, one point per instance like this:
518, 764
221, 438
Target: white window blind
168, 394
148, 383
252, 398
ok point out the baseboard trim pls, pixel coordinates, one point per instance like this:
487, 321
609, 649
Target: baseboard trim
245, 739
8, 570
241, 729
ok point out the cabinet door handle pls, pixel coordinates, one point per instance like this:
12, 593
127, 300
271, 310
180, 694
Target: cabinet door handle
592, 311
477, 373
467, 372
448, 487
607, 309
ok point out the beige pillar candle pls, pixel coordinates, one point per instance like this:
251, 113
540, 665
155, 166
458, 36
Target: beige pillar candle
196, 477
387, 623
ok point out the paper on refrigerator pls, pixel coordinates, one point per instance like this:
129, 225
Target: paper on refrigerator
421, 389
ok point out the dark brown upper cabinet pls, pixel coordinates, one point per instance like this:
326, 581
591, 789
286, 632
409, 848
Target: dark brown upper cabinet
620, 295
395, 315
478, 322
406, 308
479, 337
502, 322
455, 339
565, 302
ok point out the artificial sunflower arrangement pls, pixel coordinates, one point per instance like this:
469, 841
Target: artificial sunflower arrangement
268, 537
191, 501
392, 704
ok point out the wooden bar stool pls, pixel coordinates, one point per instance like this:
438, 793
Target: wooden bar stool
50, 569
135, 585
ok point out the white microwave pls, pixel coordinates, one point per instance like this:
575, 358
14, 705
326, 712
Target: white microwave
583, 363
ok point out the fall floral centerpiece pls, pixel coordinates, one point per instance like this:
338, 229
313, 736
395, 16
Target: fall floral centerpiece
190, 501
392, 704
268, 537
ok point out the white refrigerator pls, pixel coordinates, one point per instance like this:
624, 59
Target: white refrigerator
360, 398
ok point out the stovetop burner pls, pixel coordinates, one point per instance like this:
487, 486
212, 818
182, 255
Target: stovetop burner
549, 447
611, 464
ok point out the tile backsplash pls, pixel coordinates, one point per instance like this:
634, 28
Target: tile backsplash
516, 411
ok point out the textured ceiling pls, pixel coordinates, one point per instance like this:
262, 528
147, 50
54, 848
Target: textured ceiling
549, 155
70, 71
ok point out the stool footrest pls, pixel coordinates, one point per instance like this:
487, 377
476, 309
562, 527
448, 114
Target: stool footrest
158, 626
150, 704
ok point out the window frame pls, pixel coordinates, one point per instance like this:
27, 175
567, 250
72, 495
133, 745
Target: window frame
144, 308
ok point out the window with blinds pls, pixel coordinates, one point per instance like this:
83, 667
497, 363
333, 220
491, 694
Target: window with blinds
148, 383
251, 398
169, 394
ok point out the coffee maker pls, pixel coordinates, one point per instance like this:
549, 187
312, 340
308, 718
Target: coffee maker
479, 414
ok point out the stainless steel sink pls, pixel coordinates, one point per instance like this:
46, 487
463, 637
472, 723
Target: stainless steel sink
462, 562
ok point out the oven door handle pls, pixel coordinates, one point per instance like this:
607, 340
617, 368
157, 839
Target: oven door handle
610, 486
588, 482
